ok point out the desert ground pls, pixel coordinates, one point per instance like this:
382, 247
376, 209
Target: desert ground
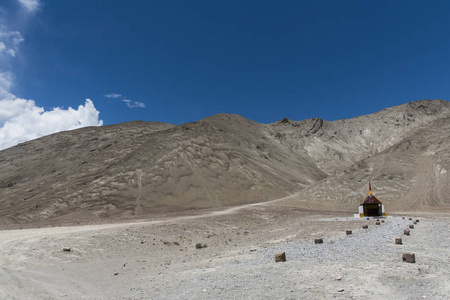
157, 258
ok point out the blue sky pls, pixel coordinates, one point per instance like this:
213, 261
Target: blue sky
181, 61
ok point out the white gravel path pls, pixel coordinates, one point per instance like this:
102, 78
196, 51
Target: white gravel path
369, 263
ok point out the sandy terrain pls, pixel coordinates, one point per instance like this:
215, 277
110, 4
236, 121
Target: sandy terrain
158, 259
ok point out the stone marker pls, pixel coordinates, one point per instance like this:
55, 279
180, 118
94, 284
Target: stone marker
417, 220
367, 219
365, 226
411, 226
318, 241
377, 223
382, 221
67, 249
348, 232
403, 218
406, 231
280, 257
410, 219
398, 241
409, 257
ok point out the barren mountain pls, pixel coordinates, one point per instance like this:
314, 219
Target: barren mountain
409, 175
139, 168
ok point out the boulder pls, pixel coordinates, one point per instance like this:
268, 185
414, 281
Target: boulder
406, 231
398, 241
280, 257
411, 226
409, 257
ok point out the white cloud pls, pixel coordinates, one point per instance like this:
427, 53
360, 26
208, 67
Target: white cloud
139, 104
9, 41
6, 79
133, 104
30, 5
9, 45
129, 103
13, 108
113, 95
23, 120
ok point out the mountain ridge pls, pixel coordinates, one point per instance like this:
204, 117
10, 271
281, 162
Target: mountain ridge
138, 168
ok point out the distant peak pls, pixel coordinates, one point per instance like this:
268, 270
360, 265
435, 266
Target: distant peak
223, 116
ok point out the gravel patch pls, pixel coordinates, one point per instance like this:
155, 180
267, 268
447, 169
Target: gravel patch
366, 265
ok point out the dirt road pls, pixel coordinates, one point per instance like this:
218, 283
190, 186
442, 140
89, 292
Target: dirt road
161, 259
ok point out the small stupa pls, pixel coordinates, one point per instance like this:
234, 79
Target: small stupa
371, 207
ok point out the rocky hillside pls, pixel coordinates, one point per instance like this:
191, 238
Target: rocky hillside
409, 175
139, 168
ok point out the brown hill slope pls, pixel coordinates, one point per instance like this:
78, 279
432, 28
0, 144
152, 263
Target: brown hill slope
137, 168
